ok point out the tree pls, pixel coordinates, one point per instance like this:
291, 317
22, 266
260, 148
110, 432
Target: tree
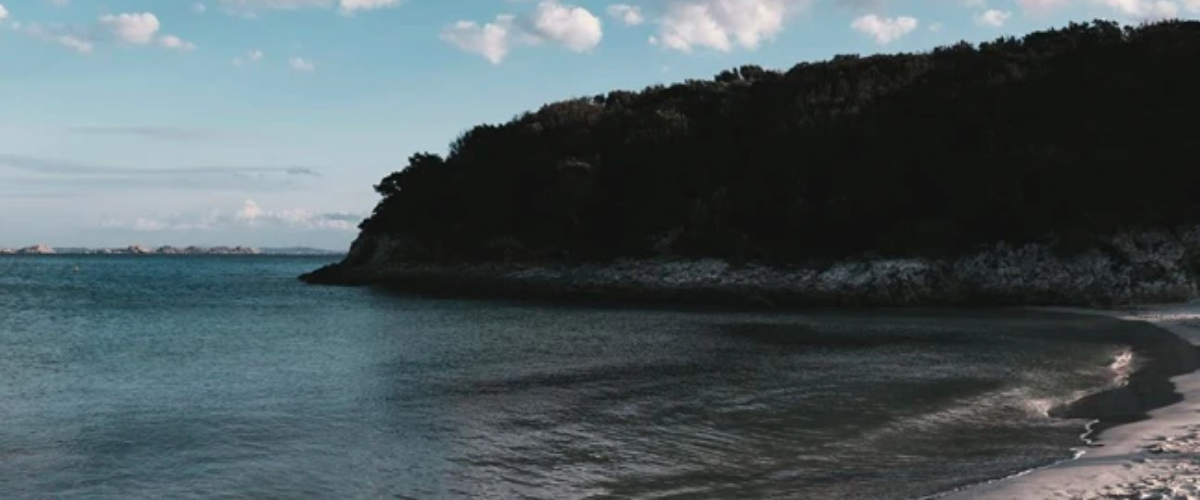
1084, 128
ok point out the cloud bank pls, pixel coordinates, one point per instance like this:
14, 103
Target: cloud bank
163, 133
885, 30
249, 216
345, 7
723, 25
572, 27
22, 173
134, 29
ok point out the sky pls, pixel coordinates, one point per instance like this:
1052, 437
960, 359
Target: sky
266, 122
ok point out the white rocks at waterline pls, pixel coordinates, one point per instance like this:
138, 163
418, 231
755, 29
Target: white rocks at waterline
1141, 267
36, 250
138, 249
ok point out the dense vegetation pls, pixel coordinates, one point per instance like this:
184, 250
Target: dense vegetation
1082, 131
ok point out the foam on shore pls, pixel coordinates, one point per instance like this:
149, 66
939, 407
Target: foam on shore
1155, 458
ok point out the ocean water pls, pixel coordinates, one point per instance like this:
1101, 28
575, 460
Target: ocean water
224, 377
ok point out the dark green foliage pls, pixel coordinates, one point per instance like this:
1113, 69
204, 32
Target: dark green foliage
1081, 130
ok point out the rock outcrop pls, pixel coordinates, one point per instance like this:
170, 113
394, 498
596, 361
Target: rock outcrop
170, 250
36, 250
1141, 267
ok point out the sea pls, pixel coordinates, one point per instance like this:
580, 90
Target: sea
224, 377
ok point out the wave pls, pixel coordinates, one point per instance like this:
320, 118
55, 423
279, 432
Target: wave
1140, 382
1125, 363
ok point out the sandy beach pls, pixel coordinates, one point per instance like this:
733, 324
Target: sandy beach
1157, 458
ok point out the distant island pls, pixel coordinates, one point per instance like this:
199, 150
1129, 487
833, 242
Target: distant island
166, 250
1056, 168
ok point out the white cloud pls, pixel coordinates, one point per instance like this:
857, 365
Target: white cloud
1192, 6
1143, 9
992, 17
132, 28
723, 24
491, 40
75, 43
175, 43
249, 216
935, 27
1140, 10
346, 7
252, 56
199, 8
3, 12
351, 6
630, 15
245, 5
572, 27
883, 29
249, 212
60, 35
302, 65
1041, 7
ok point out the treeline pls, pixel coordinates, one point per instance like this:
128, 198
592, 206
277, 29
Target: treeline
1071, 132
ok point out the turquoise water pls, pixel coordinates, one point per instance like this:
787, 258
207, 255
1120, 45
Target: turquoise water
224, 377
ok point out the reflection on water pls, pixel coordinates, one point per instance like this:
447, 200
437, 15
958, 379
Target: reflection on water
188, 377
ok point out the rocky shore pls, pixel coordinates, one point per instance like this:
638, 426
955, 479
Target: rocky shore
1126, 268
31, 250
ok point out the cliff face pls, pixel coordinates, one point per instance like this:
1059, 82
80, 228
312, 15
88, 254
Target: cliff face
1141, 267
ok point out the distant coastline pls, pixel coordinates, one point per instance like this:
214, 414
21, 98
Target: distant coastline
167, 250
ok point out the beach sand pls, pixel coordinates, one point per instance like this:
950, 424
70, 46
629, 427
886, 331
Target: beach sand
1157, 458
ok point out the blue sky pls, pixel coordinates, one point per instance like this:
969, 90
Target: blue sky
266, 122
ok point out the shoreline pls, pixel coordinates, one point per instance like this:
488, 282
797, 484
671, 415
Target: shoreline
1116, 415
1141, 267
1164, 380
903, 283
1133, 426
1156, 457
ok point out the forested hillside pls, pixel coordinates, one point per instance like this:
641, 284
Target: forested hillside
1067, 133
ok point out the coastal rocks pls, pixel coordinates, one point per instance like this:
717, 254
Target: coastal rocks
170, 250
238, 250
376, 251
173, 250
137, 249
1131, 271
1143, 267
36, 250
